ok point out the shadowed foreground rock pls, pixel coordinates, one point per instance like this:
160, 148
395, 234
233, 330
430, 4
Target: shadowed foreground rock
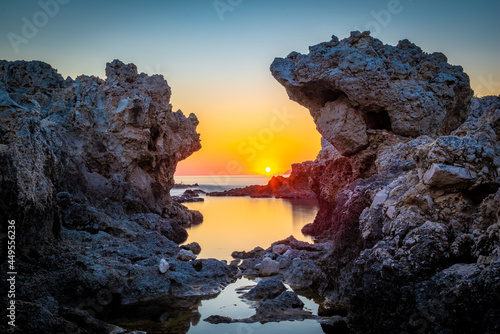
86, 167
408, 227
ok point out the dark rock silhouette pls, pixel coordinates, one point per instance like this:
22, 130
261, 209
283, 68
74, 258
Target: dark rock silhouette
409, 214
86, 167
294, 186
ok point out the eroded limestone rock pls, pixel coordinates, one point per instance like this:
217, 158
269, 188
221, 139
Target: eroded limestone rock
359, 83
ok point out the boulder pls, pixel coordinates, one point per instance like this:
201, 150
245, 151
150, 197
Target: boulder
194, 247
186, 255
269, 267
357, 84
441, 175
270, 288
288, 300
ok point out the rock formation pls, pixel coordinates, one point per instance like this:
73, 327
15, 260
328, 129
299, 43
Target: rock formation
357, 84
86, 167
189, 196
296, 185
410, 204
273, 303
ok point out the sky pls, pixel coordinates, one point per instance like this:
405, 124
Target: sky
216, 56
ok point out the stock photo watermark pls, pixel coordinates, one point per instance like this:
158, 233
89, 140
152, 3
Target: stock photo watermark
252, 145
93, 306
11, 273
30, 26
488, 85
382, 18
420, 321
158, 69
223, 6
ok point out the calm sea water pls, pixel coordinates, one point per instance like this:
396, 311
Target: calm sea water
237, 223
219, 182
243, 223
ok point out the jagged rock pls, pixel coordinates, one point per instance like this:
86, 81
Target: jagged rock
113, 143
186, 255
441, 175
342, 124
280, 249
189, 196
257, 251
269, 267
359, 83
287, 300
409, 218
86, 167
265, 289
194, 247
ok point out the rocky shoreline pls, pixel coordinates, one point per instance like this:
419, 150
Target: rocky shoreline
408, 232
295, 186
408, 227
86, 170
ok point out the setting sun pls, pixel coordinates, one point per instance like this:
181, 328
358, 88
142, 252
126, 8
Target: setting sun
268, 169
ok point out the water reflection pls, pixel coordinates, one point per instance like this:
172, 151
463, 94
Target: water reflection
167, 316
243, 223
181, 316
302, 211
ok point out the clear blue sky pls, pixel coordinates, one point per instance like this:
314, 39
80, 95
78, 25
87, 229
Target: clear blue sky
217, 61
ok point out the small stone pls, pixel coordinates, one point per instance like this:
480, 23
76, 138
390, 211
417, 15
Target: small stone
280, 248
391, 211
186, 255
380, 198
163, 266
193, 247
269, 267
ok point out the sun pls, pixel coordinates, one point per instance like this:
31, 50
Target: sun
268, 169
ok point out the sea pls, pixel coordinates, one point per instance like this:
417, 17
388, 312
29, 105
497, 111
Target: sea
243, 223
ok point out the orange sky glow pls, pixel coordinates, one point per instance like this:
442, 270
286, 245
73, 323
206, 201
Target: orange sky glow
246, 134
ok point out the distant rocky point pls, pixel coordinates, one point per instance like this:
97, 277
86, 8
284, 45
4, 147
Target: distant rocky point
184, 186
294, 186
190, 195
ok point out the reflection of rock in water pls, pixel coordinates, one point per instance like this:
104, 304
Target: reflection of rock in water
169, 316
302, 210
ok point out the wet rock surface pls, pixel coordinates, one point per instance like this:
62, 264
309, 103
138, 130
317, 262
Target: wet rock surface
189, 196
407, 232
265, 289
86, 170
273, 303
